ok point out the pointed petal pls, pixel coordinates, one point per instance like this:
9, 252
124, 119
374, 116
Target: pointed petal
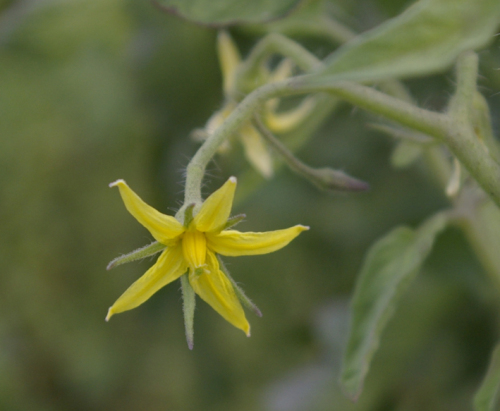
288, 120
170, 266
234, 243
215, 289
229, 59
215, 210
256, 151
162, 227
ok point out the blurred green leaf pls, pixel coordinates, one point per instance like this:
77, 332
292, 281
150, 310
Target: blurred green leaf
426, 38
405, 154
389, 268
228, 12
485, 398
312, 19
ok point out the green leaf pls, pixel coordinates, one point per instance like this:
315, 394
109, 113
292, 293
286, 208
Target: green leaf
390, 266
485, 398
425, 38
228, 12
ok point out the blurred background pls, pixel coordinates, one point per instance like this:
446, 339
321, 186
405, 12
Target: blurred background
93, 91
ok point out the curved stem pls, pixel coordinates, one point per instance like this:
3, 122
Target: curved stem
460, 139
275, 43
197, 165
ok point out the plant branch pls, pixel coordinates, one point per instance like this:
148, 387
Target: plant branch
274, 43
324, 178
459, 138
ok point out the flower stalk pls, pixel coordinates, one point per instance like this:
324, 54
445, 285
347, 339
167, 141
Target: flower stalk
324, 178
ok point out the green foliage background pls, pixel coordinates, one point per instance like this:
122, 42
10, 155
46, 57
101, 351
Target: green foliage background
95, 91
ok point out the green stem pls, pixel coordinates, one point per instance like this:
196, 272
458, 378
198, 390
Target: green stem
315, 25
334, 30
460, 139
462, 103
365, 97
197, 165
275, 43
402, 112
290, 160
324, 178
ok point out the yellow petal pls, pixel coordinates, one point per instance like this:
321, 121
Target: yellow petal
170, 266
216, 289
235, 243
229, 59
288, 120
256, 151
215, 211
162, 227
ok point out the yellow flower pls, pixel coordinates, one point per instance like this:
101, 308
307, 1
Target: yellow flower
255, 149
192, 249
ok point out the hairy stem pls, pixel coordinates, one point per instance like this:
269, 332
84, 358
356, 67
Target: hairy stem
275, 43
458, 137
197, 165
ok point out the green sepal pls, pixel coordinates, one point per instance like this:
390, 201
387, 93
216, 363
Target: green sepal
232, 221
139, 254
188, 214
247, 302
188, 306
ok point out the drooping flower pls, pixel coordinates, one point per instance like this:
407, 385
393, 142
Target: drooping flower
255, 149
193, 247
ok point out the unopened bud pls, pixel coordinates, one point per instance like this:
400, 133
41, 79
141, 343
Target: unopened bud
334, 180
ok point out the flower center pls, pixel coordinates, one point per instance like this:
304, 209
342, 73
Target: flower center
194, 248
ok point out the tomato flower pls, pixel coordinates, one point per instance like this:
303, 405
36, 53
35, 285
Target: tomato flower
192, 248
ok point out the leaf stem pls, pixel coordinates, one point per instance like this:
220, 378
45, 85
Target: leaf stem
274, 43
